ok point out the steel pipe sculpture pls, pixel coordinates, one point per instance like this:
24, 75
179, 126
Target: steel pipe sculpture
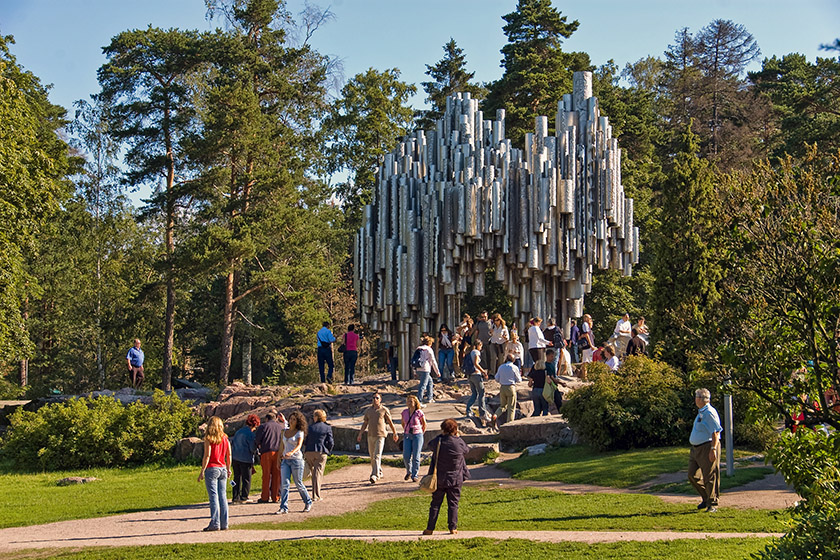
454, 204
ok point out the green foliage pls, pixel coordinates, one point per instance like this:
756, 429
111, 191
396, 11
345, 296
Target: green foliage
686, 263
449, 75
362, 127
536, 70
806, 98
777, 333
33, 167
808, 461
97, 432
643, 404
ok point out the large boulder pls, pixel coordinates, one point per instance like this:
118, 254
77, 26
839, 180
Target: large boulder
186, 448
553, 430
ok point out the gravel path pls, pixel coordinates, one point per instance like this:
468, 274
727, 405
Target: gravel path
344, 490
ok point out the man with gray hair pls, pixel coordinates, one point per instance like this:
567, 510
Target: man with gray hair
704, 460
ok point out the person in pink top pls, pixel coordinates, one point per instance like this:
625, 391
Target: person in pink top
351, 354
414, 426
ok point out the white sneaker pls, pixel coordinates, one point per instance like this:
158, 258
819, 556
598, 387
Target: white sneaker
308, 508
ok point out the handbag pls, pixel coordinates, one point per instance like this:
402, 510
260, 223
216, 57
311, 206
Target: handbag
583, 343
429, 482
548, 390
343, 346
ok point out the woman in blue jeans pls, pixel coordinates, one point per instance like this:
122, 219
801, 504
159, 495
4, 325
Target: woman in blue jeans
428, 367
414, 426
215, 471
291, 463
446, 353
476, 376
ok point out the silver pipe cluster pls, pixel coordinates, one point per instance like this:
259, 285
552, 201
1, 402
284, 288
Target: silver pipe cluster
460, 202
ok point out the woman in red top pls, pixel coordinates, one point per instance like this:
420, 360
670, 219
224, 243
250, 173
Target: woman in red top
351, 354
215, 471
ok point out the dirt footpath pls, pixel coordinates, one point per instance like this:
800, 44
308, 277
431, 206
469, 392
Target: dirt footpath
344, 490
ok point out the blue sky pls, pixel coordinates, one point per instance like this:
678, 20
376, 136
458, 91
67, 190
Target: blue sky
60, 40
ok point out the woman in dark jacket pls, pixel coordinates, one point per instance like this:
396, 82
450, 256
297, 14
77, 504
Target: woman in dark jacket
319, 445
451, 470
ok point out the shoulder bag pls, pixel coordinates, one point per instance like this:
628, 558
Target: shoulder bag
343, 347
429, 482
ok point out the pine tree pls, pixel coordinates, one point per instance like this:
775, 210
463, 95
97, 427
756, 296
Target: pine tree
364, 125
449, 75
147, 84
536, 70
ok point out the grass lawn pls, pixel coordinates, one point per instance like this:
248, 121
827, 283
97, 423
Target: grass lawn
34, 498
742, 476
722, 549
580, 464
502, 509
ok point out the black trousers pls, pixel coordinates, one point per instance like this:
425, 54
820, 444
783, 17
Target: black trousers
242, 478
452, 496
325, 357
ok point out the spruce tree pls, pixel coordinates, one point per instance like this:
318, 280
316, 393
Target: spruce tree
686, 263
449, 75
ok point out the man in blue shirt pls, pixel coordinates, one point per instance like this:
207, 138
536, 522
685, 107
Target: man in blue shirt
325, 352
135, 359
704, 460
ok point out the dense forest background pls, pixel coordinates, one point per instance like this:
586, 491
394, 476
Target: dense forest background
242, 250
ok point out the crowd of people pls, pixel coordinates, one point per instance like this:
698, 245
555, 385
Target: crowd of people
487, 347
285, 446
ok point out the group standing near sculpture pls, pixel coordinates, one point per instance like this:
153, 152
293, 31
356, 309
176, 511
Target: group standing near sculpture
454, 203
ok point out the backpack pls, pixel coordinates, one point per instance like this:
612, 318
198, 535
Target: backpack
468, 367
418, 359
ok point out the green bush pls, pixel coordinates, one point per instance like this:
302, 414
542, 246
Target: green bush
97, 432
808, 461
643, 404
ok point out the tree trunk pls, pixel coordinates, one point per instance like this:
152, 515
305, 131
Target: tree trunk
169, 320
246, 346
228, 325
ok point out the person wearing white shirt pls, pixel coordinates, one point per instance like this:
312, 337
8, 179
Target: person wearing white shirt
612, 360
623, 334
536, 341
508, 376
424, 372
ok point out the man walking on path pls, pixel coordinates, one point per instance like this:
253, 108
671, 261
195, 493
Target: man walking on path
376, 416
269, 438
325, 352
705, 452
135, 359
508, 376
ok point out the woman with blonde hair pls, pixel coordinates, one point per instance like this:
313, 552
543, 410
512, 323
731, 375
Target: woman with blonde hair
319, 445
291, 462
414, 426
215, 471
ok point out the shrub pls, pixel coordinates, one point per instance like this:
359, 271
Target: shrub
97, 432
643, 404
808, 461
